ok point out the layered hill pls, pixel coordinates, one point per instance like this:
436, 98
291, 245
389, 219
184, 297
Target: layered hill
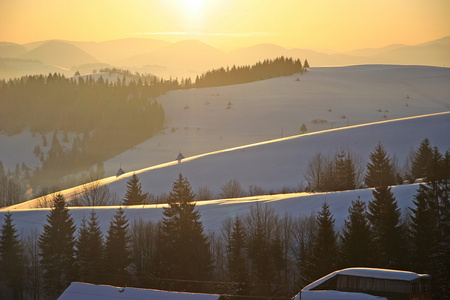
191, 58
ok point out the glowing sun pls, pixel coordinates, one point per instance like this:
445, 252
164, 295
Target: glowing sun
193, 7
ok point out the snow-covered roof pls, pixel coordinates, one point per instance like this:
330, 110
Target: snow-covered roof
368, 272
87, 291
335, 295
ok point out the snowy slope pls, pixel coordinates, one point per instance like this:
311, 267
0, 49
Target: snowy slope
214, 212
277, 164
271, 109
278, 107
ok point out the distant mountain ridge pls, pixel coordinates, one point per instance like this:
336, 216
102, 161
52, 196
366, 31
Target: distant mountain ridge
193, 57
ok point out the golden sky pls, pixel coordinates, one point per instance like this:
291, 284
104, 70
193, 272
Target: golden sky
229, 24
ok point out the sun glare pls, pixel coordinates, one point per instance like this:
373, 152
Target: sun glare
193, 7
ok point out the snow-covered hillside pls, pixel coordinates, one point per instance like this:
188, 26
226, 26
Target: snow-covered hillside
215, 212
199, 120
270, 165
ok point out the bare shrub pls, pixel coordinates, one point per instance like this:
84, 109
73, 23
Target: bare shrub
93, 194
204, 193
254, 190
45, 201
319, 121
232, 189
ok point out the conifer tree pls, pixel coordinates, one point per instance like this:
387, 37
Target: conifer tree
303, 128
305, 65
385, 218
324, 255
89, 250
345, 172
57, 251
134, 195
237, 264
424, 231
183, 248
117, 251
380, 169
264, 248
421, 160
356, 237
11, 260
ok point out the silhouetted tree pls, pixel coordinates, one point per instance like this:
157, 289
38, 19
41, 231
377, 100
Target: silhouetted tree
116, 257
236, 259
421, 160
183, 247
134, 195
89, 250
323, 256
57, 251
356, 237
11, 260
303, 128
389, 236
380, 169
345, 171
424, 231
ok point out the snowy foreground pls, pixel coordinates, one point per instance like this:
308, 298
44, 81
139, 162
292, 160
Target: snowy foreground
215, 212
86, 291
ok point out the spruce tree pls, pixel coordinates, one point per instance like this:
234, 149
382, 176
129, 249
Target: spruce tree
380, 169
424, 231
303, 128
421, 160
11, 260
134, 195
324, 255
237, 263
57, 251
305, 64
356, 238
345, 172
385, 218
117, 256
183, 248
264, 248
89, 250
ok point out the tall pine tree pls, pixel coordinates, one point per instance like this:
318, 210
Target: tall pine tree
236, 262
345, 172
424, 231
431, 224
183, 247
57, 251
356, 239
323, 256
89, 250
134, 195
389, 236
380, 169
421, 160
11, 261
117, 254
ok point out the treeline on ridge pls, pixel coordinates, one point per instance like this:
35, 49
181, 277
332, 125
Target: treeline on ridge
277, 67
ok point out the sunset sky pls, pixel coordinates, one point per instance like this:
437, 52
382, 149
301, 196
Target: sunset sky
229, 24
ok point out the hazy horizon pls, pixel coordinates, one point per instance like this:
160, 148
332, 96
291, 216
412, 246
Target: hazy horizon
325, 25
